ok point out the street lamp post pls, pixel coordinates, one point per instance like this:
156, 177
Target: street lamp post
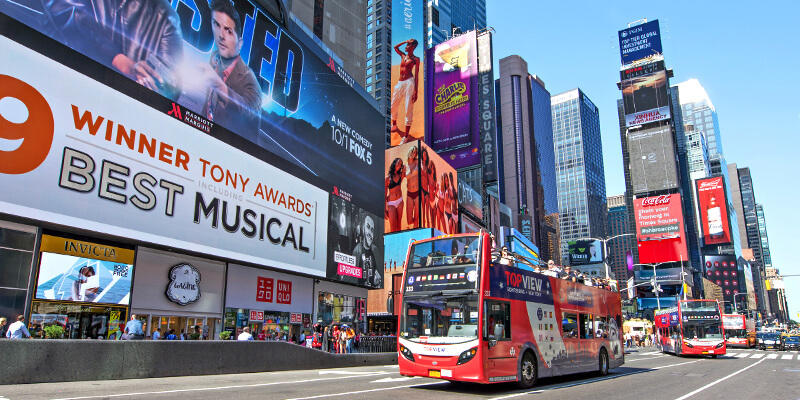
656, 287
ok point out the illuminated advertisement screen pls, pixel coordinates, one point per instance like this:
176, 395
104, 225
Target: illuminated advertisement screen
723, 270
652, 159
396, 245
69, 274
227, 69
645, 99
659, 228
470, 200
585, 252
641, 70
408, 71
468, 225
355, 248
713, 206
120, 167
420, 190
640, 41
454, 98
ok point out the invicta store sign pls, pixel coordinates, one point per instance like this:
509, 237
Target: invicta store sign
78, 153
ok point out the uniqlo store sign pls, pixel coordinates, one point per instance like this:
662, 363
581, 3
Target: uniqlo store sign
259, 289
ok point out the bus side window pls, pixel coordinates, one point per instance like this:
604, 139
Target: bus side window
569, 325
498, 319
586, 326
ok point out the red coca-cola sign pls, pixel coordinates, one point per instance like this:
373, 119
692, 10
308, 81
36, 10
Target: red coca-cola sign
656, 200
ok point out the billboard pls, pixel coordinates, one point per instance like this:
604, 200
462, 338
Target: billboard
645, 98
640, 41
468, 225
652, 159
470, 200
659, 228
227, 69
486, 107
396, 245
74, 270
408, 71
355, 250
713, 205
664, 276
420, 190
641, 70
723, 270
585, 252
122, 168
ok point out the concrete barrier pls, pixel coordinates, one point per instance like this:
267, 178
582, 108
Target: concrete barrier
35, 361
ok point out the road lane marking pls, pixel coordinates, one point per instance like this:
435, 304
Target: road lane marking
787, 356
650, 353
319, 396
646, 358
731, 354
757, 355
743, 355
772, 356
688, 395
583, 382
400, 379
205, 389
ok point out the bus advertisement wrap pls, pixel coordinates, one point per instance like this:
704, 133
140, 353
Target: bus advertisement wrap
231, 70
122, 168
408, 71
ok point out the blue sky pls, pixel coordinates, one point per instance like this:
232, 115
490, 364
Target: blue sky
745, 54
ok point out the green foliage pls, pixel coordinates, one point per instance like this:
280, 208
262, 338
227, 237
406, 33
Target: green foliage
54, 331
225, 335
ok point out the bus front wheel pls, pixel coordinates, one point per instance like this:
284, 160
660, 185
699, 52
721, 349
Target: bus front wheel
603, 363
528, 373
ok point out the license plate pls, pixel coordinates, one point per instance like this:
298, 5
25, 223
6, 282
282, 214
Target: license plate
434, 374
705, 352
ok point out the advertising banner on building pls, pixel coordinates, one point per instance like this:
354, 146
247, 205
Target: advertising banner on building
652, 159
470, 200
585, 252
640, 41
665, 276
228, 69
713, 205
421, 190
122, 168
453, 131
659, 228
645, 99
270, 291
355, 251
469, 225
723, 270
408, 71
75, 270
486, 108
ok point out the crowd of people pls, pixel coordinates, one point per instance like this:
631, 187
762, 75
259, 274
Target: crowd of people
639, 339
566, 272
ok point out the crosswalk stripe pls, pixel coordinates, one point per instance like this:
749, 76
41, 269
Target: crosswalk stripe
787, 356
772, 356
742, 355
731, 354
757, 355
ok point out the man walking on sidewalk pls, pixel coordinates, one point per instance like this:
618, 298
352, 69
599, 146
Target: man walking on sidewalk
17, 330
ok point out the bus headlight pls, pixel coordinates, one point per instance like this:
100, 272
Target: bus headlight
467, 355
406, 353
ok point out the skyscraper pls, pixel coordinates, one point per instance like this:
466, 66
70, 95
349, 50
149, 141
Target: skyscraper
619, 217
527, 162
762, 230
446, 16
338, 25
378, 55
580, 174
699, 111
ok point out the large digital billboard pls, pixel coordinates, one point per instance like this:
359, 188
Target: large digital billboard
713, 205
470, 200
640, 41
408, 71
355, 249
228, 69
122, 168
421, 190
652, 160
664, 276
659, 228
723, 270
583, 252
645, 98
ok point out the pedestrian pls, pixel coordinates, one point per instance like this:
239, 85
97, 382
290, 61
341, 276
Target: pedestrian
245, 335
171, 335
17, 330
336, 334
351, 334
133, 329
326, 339
3, 328
156, 334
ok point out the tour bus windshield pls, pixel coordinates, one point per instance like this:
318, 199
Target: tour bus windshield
448, 251
440, 318
702, 330
700, 306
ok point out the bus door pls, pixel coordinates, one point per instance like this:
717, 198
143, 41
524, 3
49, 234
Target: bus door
587, 344
570, 332
501, 354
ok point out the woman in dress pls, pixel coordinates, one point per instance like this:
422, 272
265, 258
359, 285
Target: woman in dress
394, 194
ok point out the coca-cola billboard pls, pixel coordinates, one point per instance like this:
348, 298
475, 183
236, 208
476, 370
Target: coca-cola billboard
713, 206
659, 228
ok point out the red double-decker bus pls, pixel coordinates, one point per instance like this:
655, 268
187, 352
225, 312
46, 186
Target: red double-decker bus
693, 327
739, 330
468, 317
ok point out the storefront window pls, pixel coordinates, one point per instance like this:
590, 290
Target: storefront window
341, 309
267, 325
80, 321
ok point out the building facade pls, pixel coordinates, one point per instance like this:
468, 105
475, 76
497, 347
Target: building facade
619, 217
338, 25
525, 147
580, 174
446, 18
699, 111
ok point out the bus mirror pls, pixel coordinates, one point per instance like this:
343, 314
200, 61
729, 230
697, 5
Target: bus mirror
492, 341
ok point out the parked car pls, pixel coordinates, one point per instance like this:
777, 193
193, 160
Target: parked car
790, 342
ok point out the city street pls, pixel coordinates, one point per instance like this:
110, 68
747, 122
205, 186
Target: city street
742, 374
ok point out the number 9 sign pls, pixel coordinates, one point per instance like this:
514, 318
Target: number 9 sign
34, 134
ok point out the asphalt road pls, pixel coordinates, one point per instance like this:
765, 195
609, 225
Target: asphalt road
742, 374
